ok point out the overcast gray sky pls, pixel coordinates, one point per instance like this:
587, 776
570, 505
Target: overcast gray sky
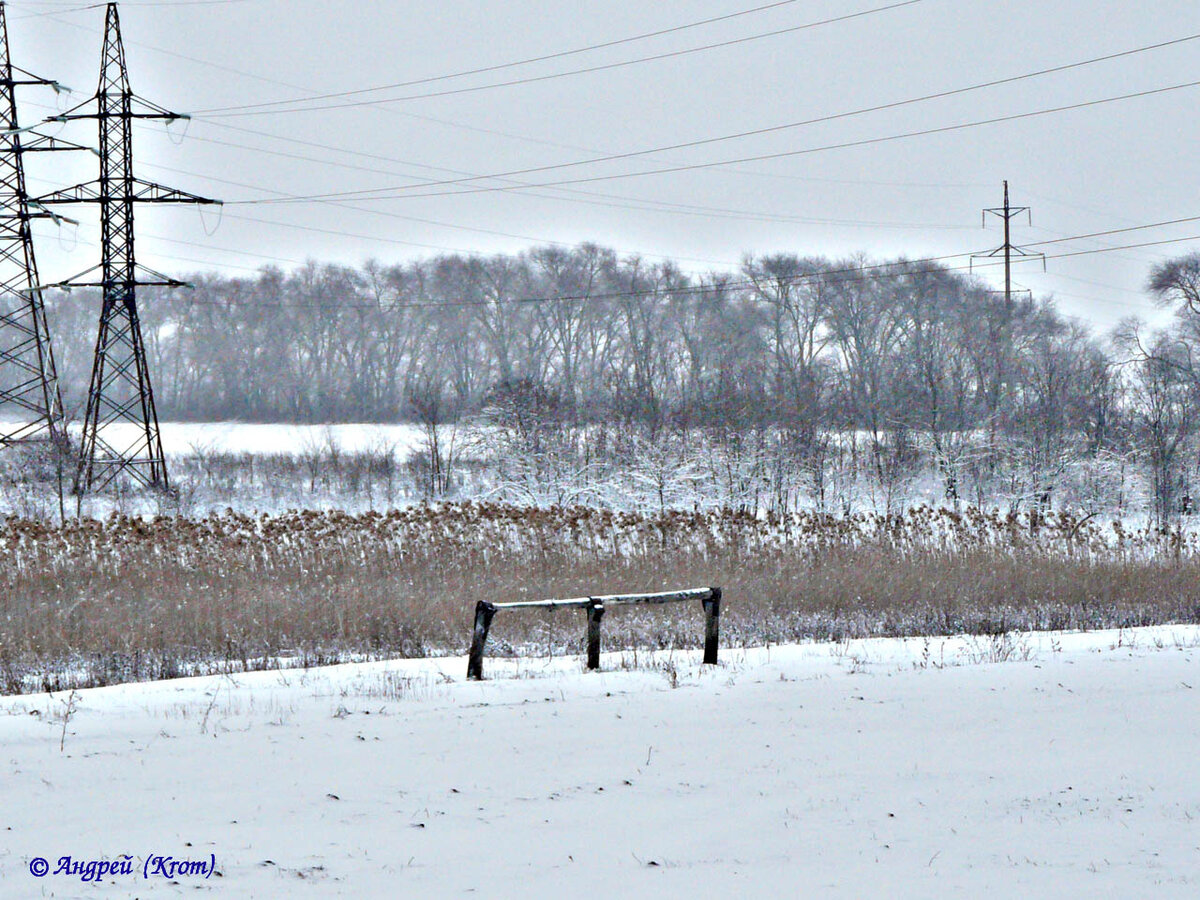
1107, 166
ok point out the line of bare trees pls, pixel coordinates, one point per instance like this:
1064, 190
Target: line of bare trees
899, 363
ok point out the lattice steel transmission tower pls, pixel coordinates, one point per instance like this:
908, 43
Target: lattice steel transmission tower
121, 391
30, 404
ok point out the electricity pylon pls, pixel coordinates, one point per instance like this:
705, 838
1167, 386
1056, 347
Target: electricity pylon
121, 391
28, 380
1008, 250
1000, 332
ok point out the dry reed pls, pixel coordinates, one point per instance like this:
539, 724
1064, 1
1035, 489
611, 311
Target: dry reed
98, 602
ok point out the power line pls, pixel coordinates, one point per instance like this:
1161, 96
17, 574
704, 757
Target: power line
190, 300
938, 95
704, 210
666, 207
204, 262
469, 178
1162, 243
445, 122
267, 108
894, 269
1110, 287
366, 155
614, 200
605, 200
701, 210
144, 235
459, 125
442, 224
52, 12
1095, 234
743, 283
396, 241
650, 34
1137, 259
74, 6
529, 60
844, 145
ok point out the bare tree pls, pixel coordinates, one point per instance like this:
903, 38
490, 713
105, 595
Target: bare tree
1163, 393
1177, 282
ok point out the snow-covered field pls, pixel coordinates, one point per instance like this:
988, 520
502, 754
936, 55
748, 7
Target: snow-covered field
189, 438
1041, 766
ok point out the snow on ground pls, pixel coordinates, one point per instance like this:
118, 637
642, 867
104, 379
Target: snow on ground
1042, 765
189, 438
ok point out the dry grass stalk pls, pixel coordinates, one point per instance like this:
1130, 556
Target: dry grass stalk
101, 602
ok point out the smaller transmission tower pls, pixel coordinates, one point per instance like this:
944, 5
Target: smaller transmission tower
121, 393
1000, 327
1008, 250
30, 405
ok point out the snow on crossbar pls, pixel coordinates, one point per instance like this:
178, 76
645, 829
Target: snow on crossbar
595, 606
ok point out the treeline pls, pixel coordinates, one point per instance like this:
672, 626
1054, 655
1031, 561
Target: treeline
801, 342
907, 358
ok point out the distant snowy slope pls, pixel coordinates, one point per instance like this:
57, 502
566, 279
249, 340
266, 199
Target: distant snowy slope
181, 438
